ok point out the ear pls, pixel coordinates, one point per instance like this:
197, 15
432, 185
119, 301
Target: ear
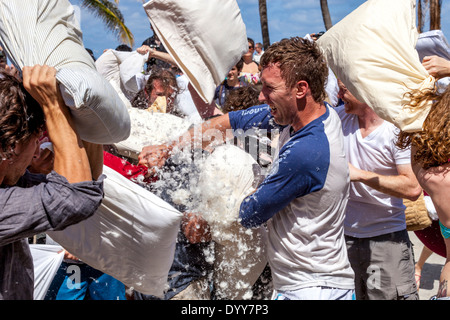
302, 89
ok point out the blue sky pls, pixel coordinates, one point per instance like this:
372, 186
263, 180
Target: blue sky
287, 18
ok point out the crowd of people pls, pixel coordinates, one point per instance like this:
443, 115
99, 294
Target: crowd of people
330, 207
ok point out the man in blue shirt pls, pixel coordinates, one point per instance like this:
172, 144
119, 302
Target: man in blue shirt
301, 202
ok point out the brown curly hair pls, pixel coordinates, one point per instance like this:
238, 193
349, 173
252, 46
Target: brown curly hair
242, 98
433, 142
168, 81
299, 59
20, 115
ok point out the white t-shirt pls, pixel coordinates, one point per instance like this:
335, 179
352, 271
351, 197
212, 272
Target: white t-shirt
301, 203
370, 212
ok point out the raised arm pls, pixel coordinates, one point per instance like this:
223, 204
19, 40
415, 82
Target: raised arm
210, 131
71, 160
164, 56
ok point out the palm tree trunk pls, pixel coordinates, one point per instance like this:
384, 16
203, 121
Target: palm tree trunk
264, 23
435, 14
326, 14
420, 23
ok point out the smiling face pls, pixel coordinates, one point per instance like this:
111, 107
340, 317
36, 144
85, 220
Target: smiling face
233, 74
281, 99
351, 104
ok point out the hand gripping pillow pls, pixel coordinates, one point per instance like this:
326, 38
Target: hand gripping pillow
122, 69
434, 43
131, 236
226, 178
205, 37
372, 51
46, 32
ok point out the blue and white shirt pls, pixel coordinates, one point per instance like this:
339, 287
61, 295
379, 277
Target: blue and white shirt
302, 202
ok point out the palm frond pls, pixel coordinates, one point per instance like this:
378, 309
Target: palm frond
112, 17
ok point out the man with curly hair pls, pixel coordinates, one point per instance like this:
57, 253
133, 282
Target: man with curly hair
300, 204
33, 203
161, 83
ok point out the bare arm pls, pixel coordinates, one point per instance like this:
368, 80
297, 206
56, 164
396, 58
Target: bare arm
211, 131
403, 185
164, 56
195, 228
71, 160
95, 155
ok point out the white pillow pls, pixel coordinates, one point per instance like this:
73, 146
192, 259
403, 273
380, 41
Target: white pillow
46, 261
150, 128
131, 236
226, 178
122, 69
205, 37
47, 32
108, 66
184, 102
372, 51
434, 43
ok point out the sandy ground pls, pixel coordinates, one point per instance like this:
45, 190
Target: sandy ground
429, 282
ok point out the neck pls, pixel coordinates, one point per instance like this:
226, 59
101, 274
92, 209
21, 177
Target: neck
247, 59
367, 118
307, 113
368, 121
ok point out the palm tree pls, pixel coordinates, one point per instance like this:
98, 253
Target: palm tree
420, 16
264, 23
326, 14
431, 7
435, 14
112, 17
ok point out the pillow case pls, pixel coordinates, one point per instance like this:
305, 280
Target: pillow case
434, 43
131, 236
150, 128
193, 33
372, 51
226, 178
46, 32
